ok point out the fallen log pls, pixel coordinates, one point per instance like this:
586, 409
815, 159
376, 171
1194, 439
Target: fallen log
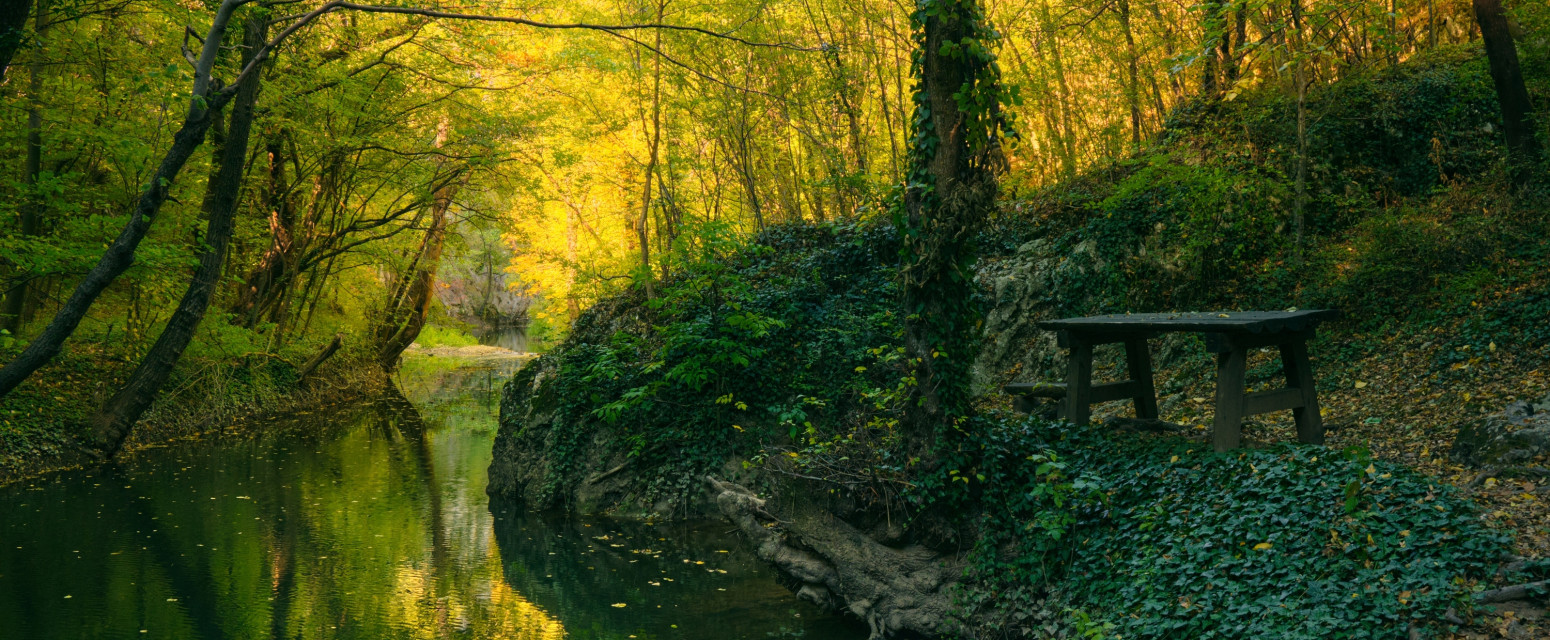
1514, 592
326, 353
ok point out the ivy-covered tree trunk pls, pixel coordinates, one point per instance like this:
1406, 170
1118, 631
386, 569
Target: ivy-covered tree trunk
954, 158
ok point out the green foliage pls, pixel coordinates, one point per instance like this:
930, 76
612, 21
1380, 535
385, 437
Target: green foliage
774, 341
1170, 541
435, 335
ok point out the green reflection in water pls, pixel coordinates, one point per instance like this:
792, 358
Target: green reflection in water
365, 521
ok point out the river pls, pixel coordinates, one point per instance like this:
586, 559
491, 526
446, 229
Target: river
366, 521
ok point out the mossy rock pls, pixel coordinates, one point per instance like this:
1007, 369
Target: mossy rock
1516, 436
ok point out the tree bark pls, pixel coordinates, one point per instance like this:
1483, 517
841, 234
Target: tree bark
18, 299
13, 30
1300, 76
1233, 56
112, 422
1517, 114
641, 227
317, 360
1215, 33
1132, 83
411, 302
120, 255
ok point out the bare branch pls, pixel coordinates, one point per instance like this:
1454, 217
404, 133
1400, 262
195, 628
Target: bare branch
301, 20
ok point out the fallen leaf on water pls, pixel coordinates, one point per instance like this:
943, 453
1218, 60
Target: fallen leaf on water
619, 605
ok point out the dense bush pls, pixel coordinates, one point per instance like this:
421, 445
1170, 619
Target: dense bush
750, 344
1166, 540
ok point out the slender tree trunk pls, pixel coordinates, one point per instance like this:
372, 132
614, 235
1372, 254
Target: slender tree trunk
120, 254
408, 310
18, 300
1431, 24
1300, 76
1523, 146
112, 422
1233, 56
1133, 82
1214, 34
641, 227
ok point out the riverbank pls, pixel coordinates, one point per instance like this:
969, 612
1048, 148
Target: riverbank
357, 521
42, 422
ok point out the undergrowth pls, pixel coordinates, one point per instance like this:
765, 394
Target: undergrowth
1168, 540
773, 343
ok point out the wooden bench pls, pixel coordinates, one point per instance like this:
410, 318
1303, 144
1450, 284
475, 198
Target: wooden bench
1230, 335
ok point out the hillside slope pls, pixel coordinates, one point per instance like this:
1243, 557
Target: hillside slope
775, 365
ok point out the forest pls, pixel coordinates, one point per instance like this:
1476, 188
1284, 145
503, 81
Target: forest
457, 302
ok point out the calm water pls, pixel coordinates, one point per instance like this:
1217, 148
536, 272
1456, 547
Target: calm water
363, 522
513, 338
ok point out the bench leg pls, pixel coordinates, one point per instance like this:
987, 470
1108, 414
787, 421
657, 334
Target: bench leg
1139, 360
1299, 375
1227, 430
1079, 382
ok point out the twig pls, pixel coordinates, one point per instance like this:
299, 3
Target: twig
606, 474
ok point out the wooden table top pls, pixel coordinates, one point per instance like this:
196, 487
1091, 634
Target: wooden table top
1197, 321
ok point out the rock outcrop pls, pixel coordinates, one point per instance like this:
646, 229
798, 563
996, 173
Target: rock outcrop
1516, 436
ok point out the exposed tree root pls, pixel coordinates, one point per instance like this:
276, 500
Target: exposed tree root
1514, 592
897, 592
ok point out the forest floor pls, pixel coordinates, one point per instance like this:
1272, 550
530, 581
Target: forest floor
1396, 404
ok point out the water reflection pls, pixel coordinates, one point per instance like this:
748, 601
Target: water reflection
513, 338
361, 522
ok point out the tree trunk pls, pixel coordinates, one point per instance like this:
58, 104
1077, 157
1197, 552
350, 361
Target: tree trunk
1233, 56
113, 421
1300, 76
951, 189
18, 300
1133, 82
411, 303
13, 29
318, 360
120, 255
1517, 115
1215, 33
641, 227
253, 298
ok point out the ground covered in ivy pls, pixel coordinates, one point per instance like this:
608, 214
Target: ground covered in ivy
1159, 537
